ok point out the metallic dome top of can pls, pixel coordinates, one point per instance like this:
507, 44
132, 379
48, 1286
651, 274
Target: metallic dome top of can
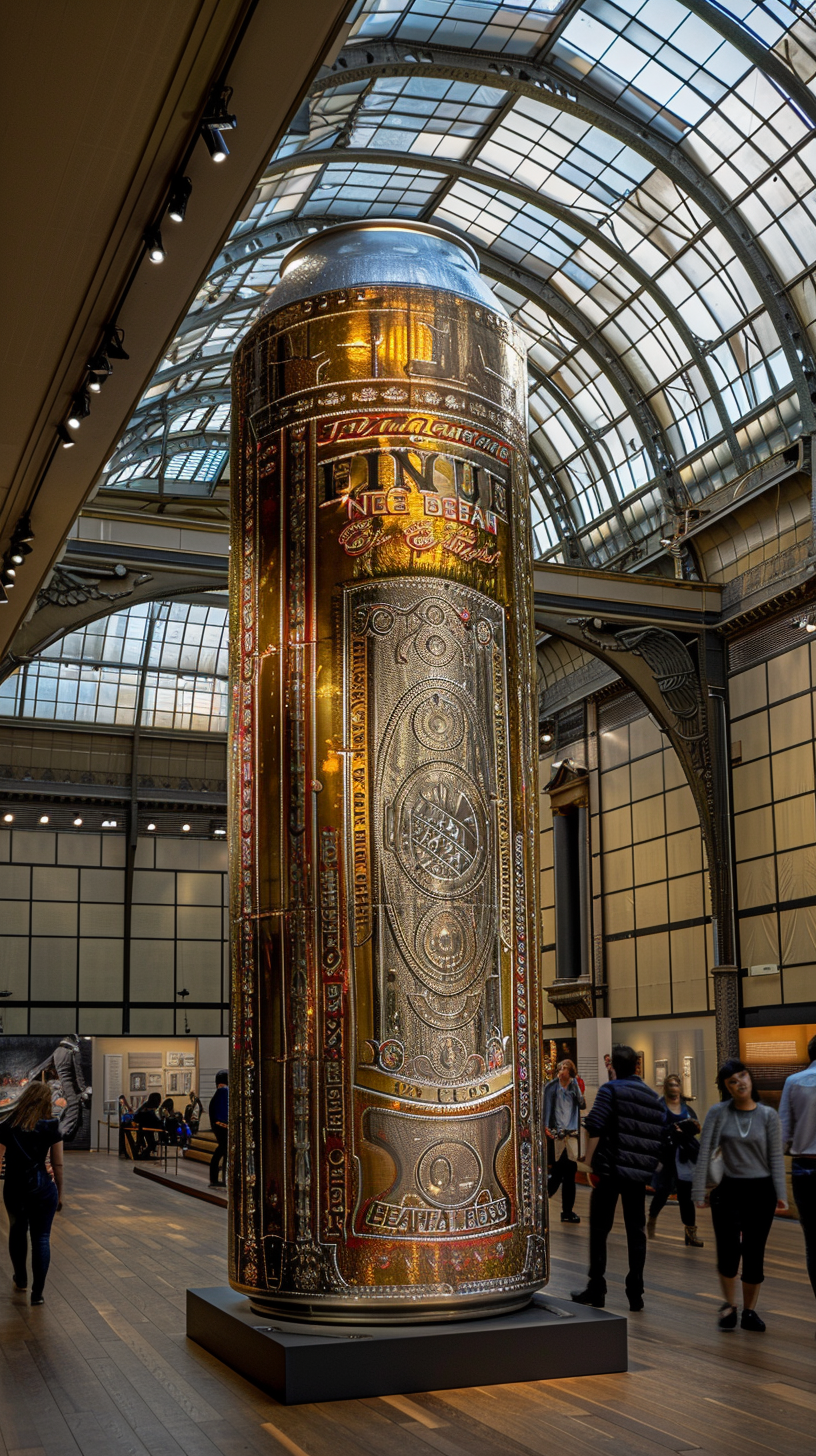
389, 251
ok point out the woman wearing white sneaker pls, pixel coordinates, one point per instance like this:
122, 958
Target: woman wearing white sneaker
749, 1137
562, 1102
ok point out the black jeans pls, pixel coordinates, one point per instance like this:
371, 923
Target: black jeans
30, 1214
602, 1205
682, 1187
562, 1175
742, 1211
803, 1179
219, 1157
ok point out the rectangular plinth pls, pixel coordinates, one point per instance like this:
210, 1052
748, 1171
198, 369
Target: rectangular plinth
550, 1340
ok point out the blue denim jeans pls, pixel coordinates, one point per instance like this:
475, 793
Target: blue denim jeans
30, 1215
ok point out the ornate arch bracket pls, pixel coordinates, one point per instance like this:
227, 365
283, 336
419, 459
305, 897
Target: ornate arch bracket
678, 670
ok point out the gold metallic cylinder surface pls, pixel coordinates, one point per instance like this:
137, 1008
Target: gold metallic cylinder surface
385, 1161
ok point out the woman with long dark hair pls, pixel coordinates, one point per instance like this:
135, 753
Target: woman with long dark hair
678, 1160
30, 1134
752, 1189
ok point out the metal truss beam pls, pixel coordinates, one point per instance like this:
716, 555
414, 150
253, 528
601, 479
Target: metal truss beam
180, 444
758, 54
541, 83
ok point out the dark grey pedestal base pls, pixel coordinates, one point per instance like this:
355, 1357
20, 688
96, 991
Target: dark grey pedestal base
550, 1340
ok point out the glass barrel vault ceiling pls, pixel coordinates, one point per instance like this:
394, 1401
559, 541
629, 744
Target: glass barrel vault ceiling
639, 181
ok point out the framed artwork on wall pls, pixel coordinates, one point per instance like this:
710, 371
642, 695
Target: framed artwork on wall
661, 1073
138, 1081
154, 1079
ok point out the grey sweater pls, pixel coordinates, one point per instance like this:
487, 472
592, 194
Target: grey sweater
756, 1155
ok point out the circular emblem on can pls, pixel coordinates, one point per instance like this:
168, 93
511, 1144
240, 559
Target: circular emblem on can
392, 1056
449, 1173
442, 830
439, 722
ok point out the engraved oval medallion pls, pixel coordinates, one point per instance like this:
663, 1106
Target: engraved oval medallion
439, 722
442, 829
449, 1173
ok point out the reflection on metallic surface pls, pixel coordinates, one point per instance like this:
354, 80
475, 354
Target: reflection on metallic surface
384, 1085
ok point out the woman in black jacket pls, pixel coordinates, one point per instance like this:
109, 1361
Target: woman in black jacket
678, 1157
149, 1124
32, 1196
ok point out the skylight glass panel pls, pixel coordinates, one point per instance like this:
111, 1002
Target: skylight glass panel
518, 29
368, 190
424, 115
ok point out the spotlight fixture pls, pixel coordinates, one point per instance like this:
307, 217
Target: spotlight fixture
155, 246
114, 342
108, 823
179, 197
3, 596
80, 409
44, 819
810, 626
185, 829
8, 818
23, 530
66, 440
151, 827
99, 369
215, 144
219, 832
77, 822
7, 575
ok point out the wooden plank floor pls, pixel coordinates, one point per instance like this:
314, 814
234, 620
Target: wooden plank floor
104, 1367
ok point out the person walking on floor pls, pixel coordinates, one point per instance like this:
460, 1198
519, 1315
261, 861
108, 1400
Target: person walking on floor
752, 1189
625, 1130
678, 1159
219, 1122
32, 1196
563, 1100
797, 1115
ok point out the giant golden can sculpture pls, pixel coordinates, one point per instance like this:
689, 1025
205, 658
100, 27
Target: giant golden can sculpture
385, 1163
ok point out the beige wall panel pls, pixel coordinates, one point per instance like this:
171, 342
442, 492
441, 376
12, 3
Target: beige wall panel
752, 736
13, 970
651, 905
114, 851
654, 975
648, 818
100, 970
53, 969
795, 821
789, 673
15, 882
546, 882
191, 854
644, 737
791, 723
684, 852
792, 772
545, 850
753, 834
151, 1022
673, 772
761, 990
617, 870
52, 1020
616, 828
79, 849
747, 691
615, 788
797, 935
33, 847
102, 885
650, 861
99, 1021
759, 941
153, 922
152, 970
53, 918
547, 925
54, 884
686, 897
193, 889
620, 974
154, 887
688, 956
14, 918
108, 920
614, 747
618, 913
201, 1022
799, 983
681, 810
198, 922
547, 967
198, 967
756, 883
145, 853
796, 871
752, 784
5, 844
647, 776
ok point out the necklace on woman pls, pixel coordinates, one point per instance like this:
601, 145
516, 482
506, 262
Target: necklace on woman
744, 1131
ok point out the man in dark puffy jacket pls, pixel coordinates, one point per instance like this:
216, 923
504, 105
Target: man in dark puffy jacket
625, 1130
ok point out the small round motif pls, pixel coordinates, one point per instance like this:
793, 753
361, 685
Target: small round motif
439, 722
449, 1173
392, 1056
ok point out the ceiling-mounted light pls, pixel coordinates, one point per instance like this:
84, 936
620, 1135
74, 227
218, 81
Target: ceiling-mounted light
108, 823
44, 819
77, 822
155, 246
23, 530
219, 831
179, 197
7, 574
215, 144
99, 369
66, 439
151, 827
113, 343
185, 829
8, 818
80, 409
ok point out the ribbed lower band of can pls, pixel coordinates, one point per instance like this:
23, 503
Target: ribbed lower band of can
405, 1310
